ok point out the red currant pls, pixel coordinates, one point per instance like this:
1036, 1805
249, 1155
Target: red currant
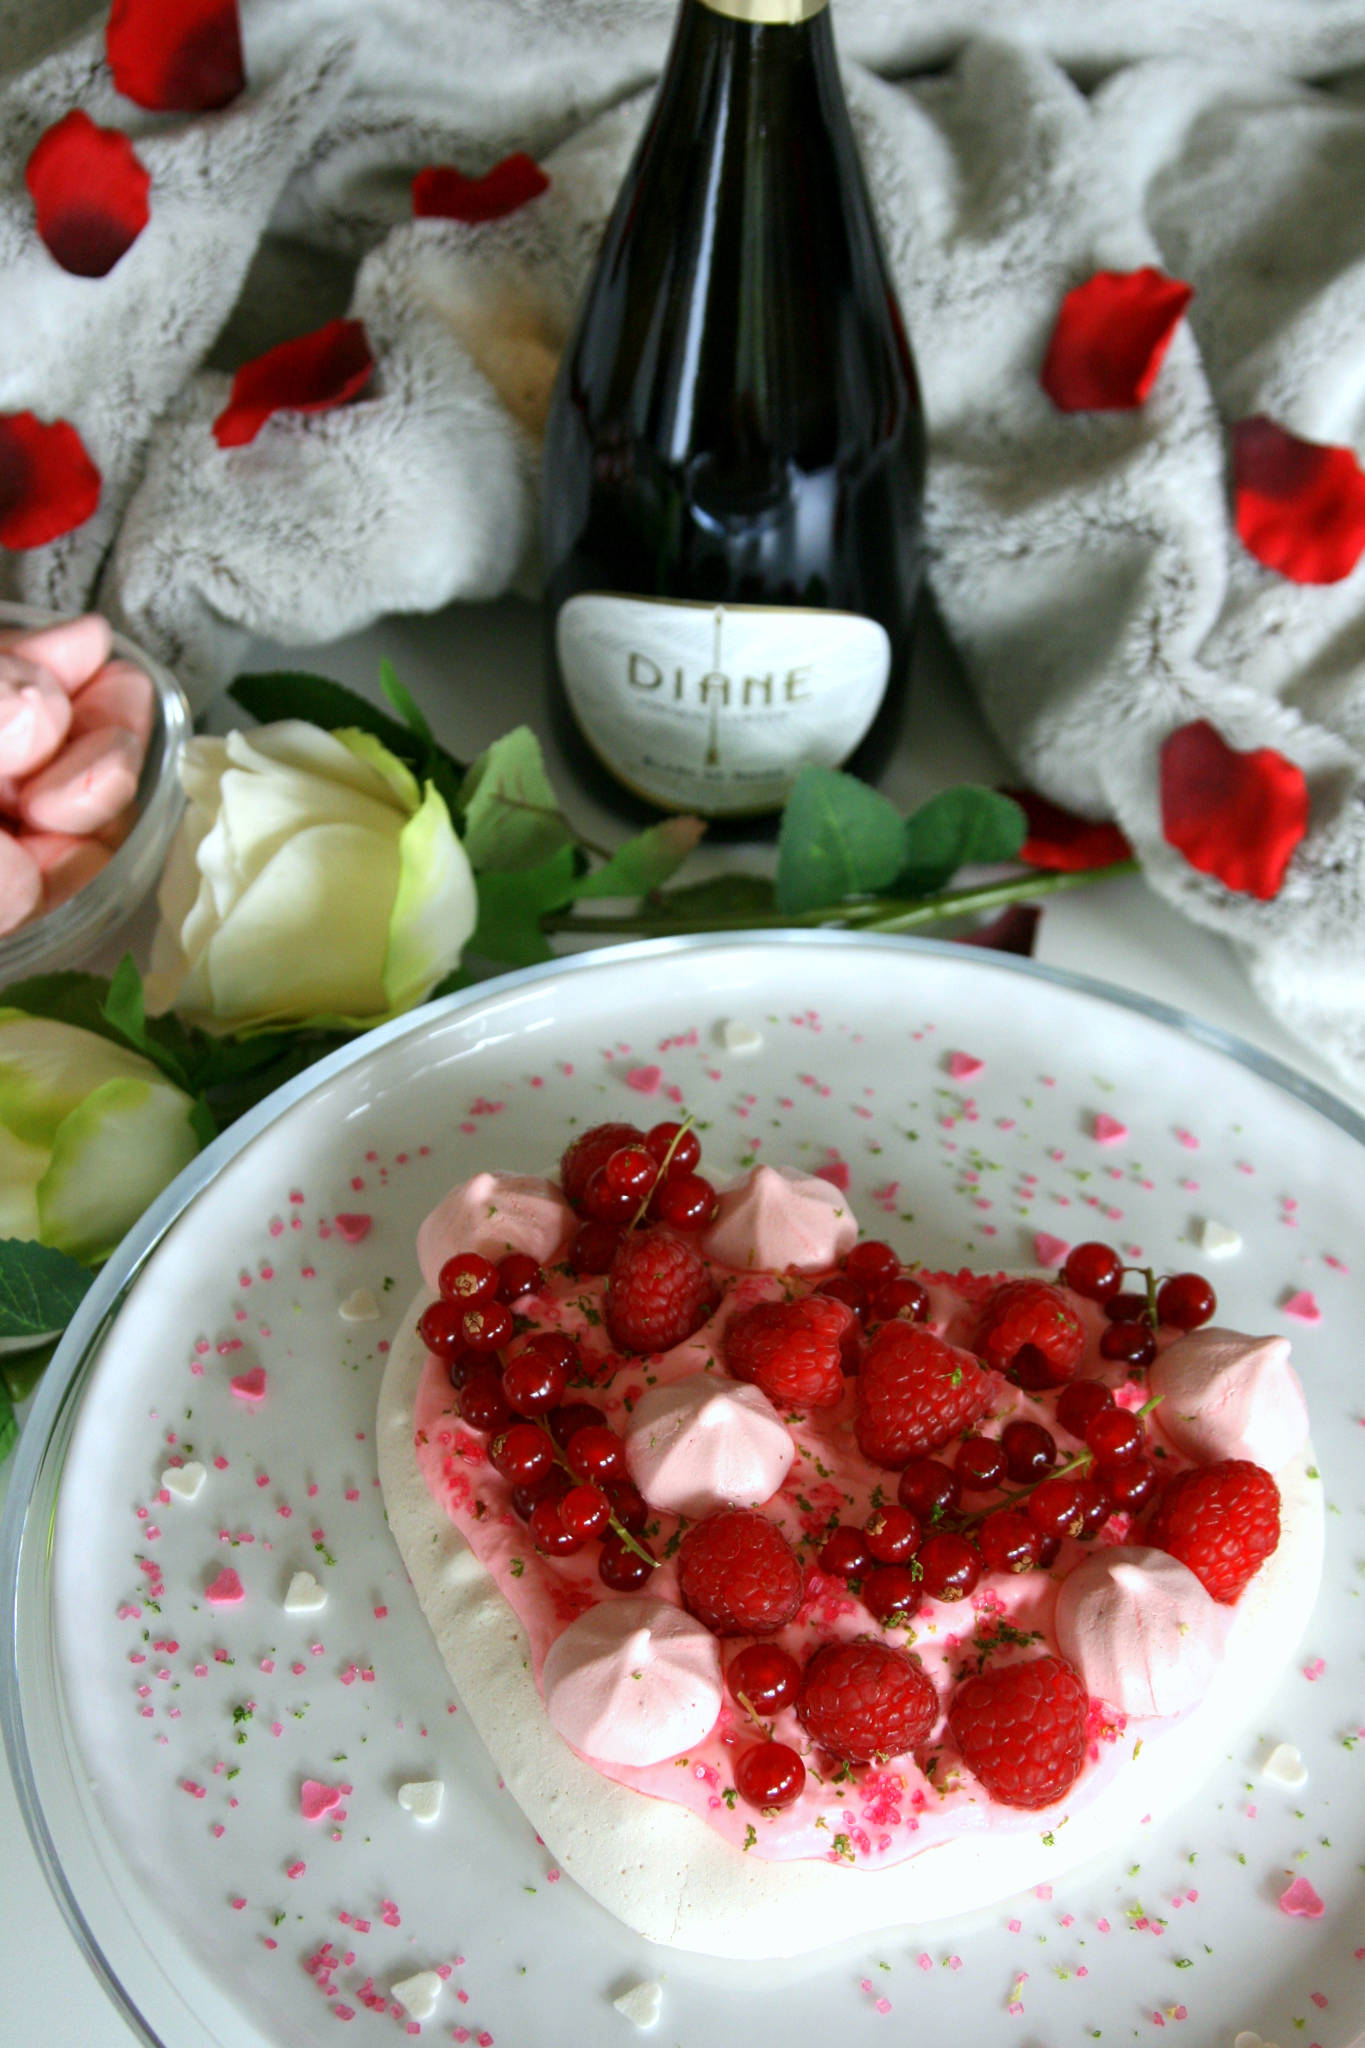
1032, 1369
930, 1489
522, 1454
893, 1592
1093, 1270
628, 1505
620, 1567
979, 1464
1057, 1507
1030, 1450
1185, 1301
1008, 1542
481, 1402
873, 1263
468, 1278
851, 1292
631, 1171
906, 1300
845, 1554
1078, 1404
1132, 1485
1129, 1343
686, 1152
552, 1485
1126, 1308
574, 1415
684, 1201
585, 1511
488, 1326
602, 1203
1115, 1436
1096, 1507
533, 1383
441, 1328
519, 1275
461, 1366
593, 1247
1048, 1548
769, 1774
951, 1566
596, 1453
549, 1533
764, 1676
893, 1534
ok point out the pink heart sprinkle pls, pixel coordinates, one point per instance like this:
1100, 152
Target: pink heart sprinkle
1302, 1901
226, 1590
1303, 1305
1049, 1250
250, 1386
1108, 1129
316, 1799
644, 1080
353, 1228
962, 1065
836, 1173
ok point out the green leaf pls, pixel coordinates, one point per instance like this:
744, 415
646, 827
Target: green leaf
9, 1427
512, 905
83, 999
125, 1010
838, 838
721, 896
512, 818
639, 866
21, 1370
40, 1290
403, 703
959, 825
288, 693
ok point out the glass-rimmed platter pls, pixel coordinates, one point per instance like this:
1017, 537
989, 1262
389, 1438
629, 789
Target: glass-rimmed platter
162, 1710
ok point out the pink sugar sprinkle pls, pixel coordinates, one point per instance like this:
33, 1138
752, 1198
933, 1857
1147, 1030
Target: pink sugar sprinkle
644, 1080
195, 1791
836, 1173
1015, 1926
1106, 1130
380, 1613
1319, 2000
1314, 1670
925, 1962
1103, 1926
962, 1065
295, 1869
1042, 1891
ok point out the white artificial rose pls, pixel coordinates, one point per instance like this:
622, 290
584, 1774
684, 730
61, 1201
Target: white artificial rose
312, 882
89, 1135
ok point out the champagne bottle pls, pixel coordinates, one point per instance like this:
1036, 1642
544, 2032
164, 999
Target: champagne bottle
735, 449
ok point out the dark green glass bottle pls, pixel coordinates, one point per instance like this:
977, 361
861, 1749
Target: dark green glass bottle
735, 451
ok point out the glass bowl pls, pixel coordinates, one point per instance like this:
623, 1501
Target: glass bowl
73, 930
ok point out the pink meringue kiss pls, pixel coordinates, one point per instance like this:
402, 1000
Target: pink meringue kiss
120, 694
35, 715
707, 1442
89, 783
21, 884
1140, 1629
1224, 1395
493, 1214
777, 1221
633, 1681
70, 651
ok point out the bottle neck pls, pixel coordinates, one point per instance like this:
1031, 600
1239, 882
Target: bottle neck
767, 13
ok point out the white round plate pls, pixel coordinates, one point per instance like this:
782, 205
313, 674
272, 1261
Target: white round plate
162, 1732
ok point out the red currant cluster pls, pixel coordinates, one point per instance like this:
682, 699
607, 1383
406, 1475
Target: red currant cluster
876, 1287
1182, 1301
616, 1176
764, 1679
566, 1468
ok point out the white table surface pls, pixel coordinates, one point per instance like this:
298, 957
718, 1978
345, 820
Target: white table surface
476, 671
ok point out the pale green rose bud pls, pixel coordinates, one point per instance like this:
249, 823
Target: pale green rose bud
89, 1135
312, 882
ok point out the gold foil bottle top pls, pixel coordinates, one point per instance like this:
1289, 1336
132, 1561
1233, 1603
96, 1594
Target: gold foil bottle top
768, 12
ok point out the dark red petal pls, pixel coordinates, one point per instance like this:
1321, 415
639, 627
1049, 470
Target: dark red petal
48, 484
1058, 839
89, 193
1235, 816
176, 56
1013, 930
1300, 504
314, 373
443, 193
1110, 339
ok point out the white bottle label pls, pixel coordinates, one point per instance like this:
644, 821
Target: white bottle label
715, 707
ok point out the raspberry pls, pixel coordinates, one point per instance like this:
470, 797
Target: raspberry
791, 1349
658, 1292
1221, 1520
590, 1151
865, 1700
738, 1574
1028, 1315
914, 1393
1021, 1730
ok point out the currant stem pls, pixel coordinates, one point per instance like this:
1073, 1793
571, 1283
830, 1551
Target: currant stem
684, 1127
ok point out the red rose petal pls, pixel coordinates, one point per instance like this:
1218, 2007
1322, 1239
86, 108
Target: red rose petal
1059, 840
314, 373
1235, 816
442, 193
1110, 339
1300, 504
48, 484
89, 193
176, 56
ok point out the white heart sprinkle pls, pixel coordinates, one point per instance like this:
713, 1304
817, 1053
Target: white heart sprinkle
419, 1994
360, 1307
305, 1595
737, 1036
1285, 1766
1219, 1240
184, 1481
422, 1798
642, 2004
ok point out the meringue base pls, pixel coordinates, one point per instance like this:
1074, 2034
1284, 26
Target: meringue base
665, 1874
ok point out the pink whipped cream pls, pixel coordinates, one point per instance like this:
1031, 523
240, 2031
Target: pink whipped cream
707, 1442
1229, 1396
1140, 1629
493, 1214
779, 1221
633, 1681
